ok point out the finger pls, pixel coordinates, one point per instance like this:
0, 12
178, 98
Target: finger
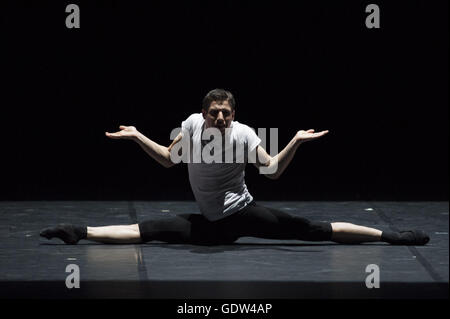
122, 127
321, 133
316, 135
113, 135
310, 131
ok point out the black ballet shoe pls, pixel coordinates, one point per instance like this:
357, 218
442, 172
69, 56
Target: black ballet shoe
413, 238
70, 234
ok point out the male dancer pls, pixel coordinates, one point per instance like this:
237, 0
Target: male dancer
228, 211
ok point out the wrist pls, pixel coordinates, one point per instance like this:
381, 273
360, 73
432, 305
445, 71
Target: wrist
137, 137
297, 141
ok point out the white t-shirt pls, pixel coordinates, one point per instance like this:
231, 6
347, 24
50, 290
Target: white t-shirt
219, 187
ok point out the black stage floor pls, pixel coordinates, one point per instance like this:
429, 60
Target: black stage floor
32, 267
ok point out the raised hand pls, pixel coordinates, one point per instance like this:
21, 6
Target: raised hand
309, 135
126, 132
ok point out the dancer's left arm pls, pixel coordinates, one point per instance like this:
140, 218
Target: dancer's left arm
277, 164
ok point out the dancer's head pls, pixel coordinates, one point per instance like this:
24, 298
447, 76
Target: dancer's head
218, 109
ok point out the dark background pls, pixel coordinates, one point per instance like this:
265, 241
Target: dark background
382, 93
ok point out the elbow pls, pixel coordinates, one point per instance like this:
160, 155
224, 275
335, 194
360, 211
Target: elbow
168, 164
271, 170
272, 173
273, 176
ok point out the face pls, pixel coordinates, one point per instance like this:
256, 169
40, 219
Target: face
219, 115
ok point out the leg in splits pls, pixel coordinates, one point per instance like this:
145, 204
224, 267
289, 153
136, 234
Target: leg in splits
117, 234
182, 228
253, 221
264, 222
120, 234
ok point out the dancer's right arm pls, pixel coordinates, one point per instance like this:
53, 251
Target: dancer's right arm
159, 153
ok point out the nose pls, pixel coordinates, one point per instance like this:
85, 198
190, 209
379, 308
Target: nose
220, 117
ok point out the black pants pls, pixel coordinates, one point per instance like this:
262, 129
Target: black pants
253, 220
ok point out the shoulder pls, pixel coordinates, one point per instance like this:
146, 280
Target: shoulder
247, 135
193, 120
242, 128
195, 117
193, 123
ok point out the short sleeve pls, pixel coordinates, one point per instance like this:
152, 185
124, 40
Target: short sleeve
252, 139
188, 124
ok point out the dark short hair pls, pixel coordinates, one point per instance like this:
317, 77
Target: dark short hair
218, 95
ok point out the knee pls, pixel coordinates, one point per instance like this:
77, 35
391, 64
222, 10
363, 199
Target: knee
144, 230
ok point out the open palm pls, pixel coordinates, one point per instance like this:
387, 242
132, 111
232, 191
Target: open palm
309, 135
126, 132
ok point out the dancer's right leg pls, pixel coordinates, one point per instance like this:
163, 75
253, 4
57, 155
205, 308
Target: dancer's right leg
174, 229
182, 229
71, 234
185, 229
119, 234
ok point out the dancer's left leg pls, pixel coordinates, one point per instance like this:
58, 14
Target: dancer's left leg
347, 233
264, 222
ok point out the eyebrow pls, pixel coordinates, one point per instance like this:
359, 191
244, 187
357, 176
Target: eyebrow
220, 109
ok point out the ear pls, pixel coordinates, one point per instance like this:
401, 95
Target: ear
232, 115
204, 113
